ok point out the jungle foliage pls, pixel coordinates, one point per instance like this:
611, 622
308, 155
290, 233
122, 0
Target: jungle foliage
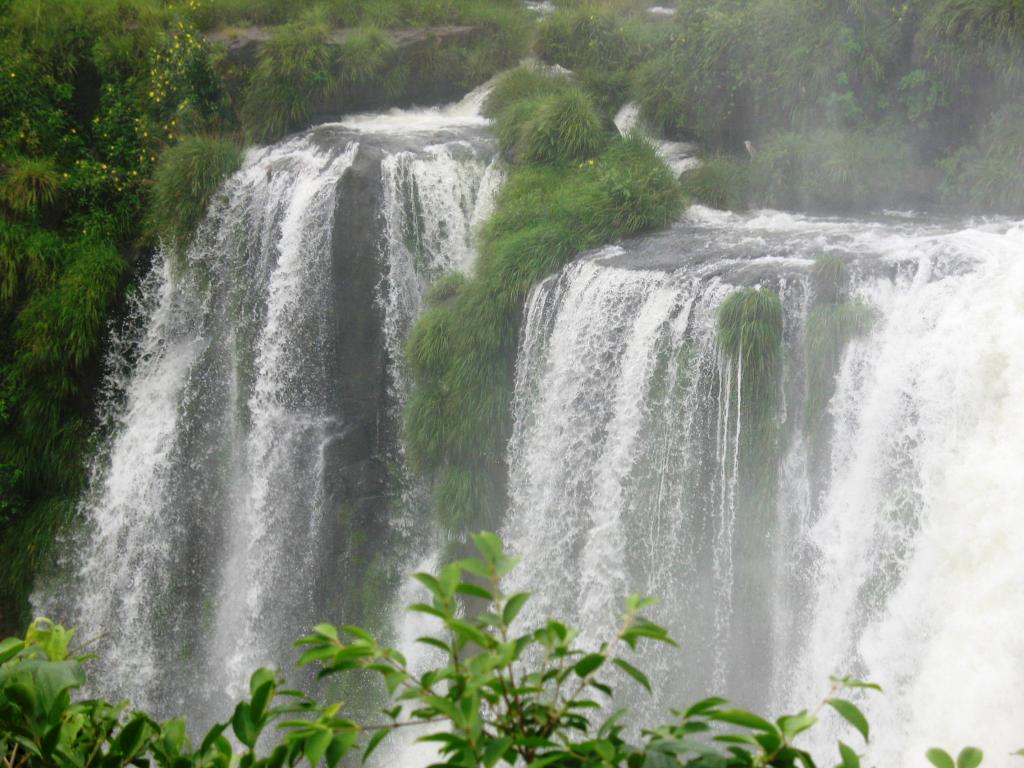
90, 94
850, 105
500, 693
573, 184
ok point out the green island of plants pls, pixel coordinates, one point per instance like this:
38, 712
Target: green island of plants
573, 183
500, 693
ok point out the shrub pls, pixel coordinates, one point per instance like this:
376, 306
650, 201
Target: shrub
833, 170
500, 692
990, 173
296, 68
521, 84
719, 181
595, 46
364, 56
460, 354
29, 185
566, 128
187, 176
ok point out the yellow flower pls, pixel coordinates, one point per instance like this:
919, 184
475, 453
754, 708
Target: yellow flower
14, 74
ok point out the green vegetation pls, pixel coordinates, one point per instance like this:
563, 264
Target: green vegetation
750, 341
848, 105
118, 121
831, 324
986, 175
501, 694
719, 181
90, 93
308, 67
557, 201
186, 177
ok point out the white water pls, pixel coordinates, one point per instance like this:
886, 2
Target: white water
905, 569
207, 522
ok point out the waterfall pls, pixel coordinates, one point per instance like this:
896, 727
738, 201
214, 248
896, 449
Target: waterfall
251, 483
889, 548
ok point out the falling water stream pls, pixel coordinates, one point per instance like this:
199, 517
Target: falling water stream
255, 432
891, 552
252, 444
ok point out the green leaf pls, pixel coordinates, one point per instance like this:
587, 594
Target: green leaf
488, 545
315, 745
243, 726
849, 682
743, 718
375, 741
339, 747
939, 758
850, 758
212, 735
514, 606
131, 737
793, 725
328, 631
10, 648
467, 631
261, 698
704, 706
430, 583
173, 736
473, 590
851, 714
359, 632
434, 642
494, 750
428, 609
588, 664
969, 757
633, 672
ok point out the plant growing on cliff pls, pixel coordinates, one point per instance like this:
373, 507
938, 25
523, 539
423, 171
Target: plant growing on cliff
187, 176
750, 342
502, 691
460, 352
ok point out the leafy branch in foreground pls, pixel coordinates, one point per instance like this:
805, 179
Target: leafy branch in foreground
538, 698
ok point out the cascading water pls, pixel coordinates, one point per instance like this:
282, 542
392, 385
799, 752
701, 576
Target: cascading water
248, 461
888, 546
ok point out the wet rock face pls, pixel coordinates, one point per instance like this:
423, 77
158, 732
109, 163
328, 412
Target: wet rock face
355, 455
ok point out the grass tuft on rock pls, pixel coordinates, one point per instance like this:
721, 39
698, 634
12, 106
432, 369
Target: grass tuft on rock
719, 182
562, 126
187, 176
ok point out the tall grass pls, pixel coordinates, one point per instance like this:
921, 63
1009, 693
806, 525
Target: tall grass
750, 342
187, 176
29, 184
296, 68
